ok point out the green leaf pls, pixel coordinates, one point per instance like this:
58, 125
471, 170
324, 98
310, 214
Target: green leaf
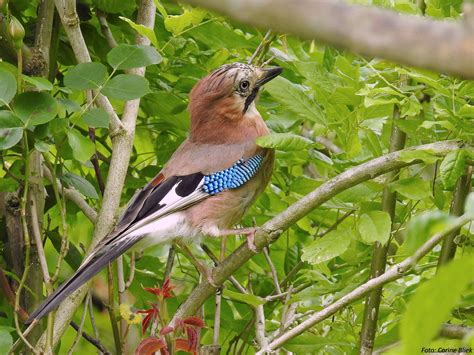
96, 117
42, 146
425, 155
430, 124
410, 106
127, 56
452, 167
6, 340
8, 184
81, 184
296, 99
35, 108
86, 76
326, 248
115, 6
82, 147
242, 297
421, 228
143, 30
41, 84
284, 141
375, 226
190, 17
413, 188
126, 87
10, 137
432, 303
9, 120
7, 87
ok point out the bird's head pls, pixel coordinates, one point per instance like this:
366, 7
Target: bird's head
227, 95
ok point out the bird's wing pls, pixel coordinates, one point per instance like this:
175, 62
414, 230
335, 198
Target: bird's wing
161, 197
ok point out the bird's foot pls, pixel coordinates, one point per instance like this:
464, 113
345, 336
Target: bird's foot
249, 233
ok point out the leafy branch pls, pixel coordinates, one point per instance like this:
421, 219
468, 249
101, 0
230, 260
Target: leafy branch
271, 230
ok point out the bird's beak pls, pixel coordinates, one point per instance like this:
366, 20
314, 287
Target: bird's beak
267, 74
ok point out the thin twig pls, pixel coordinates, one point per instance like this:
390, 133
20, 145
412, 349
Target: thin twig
262, 47
105, 29
131, 275
273, 271
81, 325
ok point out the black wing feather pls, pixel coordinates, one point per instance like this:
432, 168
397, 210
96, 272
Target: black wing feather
146, 202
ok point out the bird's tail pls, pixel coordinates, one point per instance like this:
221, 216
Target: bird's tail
89, 268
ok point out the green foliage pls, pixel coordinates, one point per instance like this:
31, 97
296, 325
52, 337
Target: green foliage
86, 76
7, 87
126, 87
375, 226
126, 56
436, 298
330, 110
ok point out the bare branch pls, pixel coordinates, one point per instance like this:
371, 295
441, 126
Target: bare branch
105, 29
422, 42
271, 230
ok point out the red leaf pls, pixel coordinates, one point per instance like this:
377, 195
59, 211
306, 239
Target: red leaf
164, 292
194, 321
149, 346
151, 315
166, 330
182, 344
192, 338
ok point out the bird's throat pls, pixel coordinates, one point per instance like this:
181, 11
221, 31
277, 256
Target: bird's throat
250, 99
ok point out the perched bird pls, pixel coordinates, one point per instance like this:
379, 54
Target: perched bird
208, 183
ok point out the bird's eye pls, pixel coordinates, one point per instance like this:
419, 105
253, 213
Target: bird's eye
244, 85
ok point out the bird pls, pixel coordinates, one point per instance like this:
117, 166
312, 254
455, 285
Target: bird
207, 185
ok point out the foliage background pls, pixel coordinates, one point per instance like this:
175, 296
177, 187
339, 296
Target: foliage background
330, 110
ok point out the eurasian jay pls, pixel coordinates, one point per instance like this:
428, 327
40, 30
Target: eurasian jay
208, 183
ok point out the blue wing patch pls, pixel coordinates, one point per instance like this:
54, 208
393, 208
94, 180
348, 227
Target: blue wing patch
233, 177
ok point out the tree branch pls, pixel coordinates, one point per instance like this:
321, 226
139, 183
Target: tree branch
379, 257
395, 272
443, 46
122, 143
71, 23
271, 230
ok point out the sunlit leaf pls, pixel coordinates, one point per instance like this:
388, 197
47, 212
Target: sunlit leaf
433, 301
452, 167
326, 248
375, 226
284, 141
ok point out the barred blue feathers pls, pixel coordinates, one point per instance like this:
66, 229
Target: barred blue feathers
233, 177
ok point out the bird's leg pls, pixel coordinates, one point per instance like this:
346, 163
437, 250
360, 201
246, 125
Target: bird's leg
206, 272
249, 233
